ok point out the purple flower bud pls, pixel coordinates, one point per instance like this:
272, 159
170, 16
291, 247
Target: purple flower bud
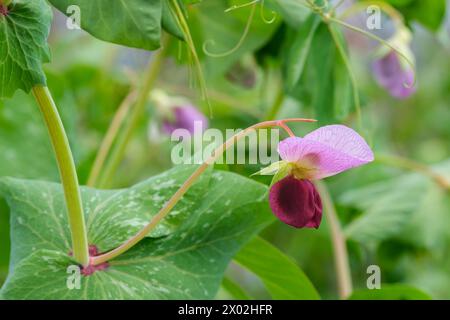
395, 77
185, 117
296, 202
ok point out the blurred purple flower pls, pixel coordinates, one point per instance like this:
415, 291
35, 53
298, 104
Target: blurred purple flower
185, 117
394, 76
322, 153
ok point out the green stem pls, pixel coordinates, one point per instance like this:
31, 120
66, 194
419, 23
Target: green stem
408, 164
374, 37
346, 61
118, 152
386, 7
185, 187
110, 136
344, 279
276, 106
183, 25
67, 172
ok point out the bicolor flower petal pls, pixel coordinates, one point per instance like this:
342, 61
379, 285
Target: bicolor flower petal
325, 152
322, 153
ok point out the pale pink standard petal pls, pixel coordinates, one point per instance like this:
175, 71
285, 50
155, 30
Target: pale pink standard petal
330, 150
290, 149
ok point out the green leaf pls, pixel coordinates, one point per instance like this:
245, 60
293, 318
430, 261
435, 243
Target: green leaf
4, 241
23, 46
21, 130
387, 207
344, 92
114, 215
168, 21
299, 50
390, 292
322, 64
281, 276
134, 23
234, 289
187, 263
430, 13
221, 31
294, 12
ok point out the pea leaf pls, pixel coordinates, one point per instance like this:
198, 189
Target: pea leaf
429, 13
23, 45
322, 63
187, 263
168, 21
387, 207
299, 50
391, 292
234, 289
115, 215
135, 23
22, 130
281, 276
294, 12
218, 32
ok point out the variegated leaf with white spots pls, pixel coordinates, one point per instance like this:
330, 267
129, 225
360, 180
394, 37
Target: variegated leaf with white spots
185, 259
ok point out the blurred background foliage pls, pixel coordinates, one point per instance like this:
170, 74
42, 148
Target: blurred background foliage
392, 217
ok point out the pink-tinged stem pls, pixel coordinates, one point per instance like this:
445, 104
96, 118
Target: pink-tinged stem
185, 187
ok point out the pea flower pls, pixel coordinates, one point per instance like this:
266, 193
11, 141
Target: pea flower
322, 153
184, 117
178, 113
392, 71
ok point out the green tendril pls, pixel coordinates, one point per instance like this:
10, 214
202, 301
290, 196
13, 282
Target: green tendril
193, 58
263, 17
241, 40
235, 7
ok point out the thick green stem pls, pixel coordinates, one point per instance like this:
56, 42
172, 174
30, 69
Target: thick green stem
343, 273
185, 187
118, 152
67, 172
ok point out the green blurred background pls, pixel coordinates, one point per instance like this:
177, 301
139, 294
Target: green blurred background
393, 217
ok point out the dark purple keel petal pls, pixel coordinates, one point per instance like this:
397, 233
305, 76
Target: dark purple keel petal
296, 203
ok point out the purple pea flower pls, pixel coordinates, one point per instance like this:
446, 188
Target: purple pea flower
322, 153
392, 71
185, 117
394, 76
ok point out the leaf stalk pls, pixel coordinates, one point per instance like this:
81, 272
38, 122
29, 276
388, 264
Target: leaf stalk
68, 174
